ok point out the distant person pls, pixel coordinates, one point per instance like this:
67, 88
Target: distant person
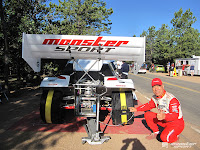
152, 67
119, 66
169, 116
172, 66
168, 66
132, 66
192, 70
124, 70
171, 69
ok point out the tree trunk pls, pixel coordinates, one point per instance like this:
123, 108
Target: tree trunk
6, 48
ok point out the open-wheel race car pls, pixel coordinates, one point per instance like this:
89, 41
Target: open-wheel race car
89, 82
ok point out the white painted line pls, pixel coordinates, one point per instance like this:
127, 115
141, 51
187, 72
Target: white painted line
144, 96
197, 130
147, 98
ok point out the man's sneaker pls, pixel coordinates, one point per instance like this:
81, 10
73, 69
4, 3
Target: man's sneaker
151, 136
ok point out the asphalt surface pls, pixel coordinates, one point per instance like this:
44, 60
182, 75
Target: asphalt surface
188, 93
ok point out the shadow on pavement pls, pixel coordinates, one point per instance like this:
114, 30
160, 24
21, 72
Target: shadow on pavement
21, 114
11, 112
136, 144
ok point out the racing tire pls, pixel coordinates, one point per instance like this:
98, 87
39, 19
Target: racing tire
120, 112
50, 107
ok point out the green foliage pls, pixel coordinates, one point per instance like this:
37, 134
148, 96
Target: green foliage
150, 43
77, 17
20, 16
82, 17
89, 17
50, 69
183, 32
163, 45
167, 44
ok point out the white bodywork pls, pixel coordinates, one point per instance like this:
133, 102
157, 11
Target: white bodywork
55, 81
120, 83
37, 46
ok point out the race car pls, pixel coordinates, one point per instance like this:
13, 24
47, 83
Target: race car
89, 82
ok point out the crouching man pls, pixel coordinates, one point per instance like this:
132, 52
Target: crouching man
170, 115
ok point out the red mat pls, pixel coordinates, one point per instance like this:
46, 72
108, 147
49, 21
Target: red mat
32, 122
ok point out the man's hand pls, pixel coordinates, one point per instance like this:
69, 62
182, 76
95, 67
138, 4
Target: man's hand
132, 109
161, 115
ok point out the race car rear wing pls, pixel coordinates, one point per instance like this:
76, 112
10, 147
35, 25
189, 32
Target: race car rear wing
37, 46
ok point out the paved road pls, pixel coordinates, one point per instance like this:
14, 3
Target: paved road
188, 93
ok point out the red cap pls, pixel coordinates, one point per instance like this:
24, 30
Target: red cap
156, 81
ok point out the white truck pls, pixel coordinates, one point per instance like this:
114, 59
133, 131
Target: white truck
89, 83
185, 64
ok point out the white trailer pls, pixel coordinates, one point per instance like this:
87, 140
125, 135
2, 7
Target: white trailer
90, 82
186, 63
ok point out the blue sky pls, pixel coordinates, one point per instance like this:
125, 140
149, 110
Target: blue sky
134, 16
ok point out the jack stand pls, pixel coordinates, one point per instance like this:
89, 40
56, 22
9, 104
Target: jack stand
96, 140
94, 137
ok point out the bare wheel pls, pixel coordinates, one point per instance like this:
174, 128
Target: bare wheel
120, 112
50, 107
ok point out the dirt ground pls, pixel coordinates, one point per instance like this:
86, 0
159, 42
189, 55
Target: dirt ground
20, 105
